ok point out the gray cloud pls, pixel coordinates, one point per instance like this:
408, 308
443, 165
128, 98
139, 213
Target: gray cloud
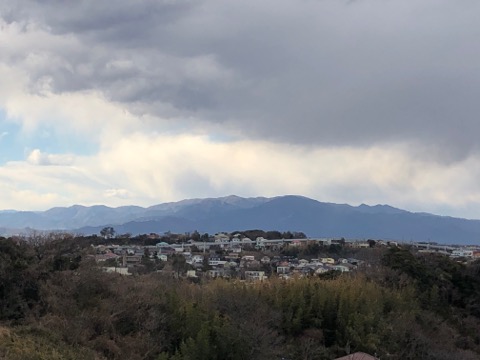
307, 72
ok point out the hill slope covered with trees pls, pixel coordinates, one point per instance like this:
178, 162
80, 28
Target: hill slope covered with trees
56, 304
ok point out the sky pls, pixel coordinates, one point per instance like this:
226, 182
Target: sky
147, 101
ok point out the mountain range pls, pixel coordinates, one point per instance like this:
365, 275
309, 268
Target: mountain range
231, 213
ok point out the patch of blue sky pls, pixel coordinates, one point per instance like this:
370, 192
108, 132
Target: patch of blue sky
15, 145
10, 148
50, 141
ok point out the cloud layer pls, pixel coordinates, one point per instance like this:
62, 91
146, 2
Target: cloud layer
348, 101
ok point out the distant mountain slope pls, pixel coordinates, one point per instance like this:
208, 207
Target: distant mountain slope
73, 217
295, 213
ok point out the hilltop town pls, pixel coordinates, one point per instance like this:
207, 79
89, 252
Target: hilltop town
235, 255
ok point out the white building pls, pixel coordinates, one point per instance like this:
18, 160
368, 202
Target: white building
255, 275
462, 253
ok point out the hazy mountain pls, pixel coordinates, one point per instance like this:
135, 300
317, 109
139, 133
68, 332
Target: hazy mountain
295, 213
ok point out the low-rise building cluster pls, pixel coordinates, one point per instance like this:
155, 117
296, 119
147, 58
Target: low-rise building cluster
229, 257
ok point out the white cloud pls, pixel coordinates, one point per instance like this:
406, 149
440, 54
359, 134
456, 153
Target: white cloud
36, 157
148, 169
162, 168
119, 193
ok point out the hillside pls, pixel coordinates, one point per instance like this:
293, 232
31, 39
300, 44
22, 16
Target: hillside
63, 305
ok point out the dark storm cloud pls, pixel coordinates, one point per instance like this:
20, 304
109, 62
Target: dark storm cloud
309, 72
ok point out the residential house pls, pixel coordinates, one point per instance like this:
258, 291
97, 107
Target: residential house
232, 256
222, 237
246, 240
327, 260
260, 243
197, 259
321, 270
191, 274
236, 239
255, 275
236, 248
162, 257
106, 256
265, 260
283, 268
342, 268
216, 273
215, 261
162, 244
165, 250
359, 244
254, 264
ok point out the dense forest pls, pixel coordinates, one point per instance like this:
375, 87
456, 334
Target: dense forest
57, 304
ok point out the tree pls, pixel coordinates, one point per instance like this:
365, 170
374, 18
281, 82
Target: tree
107, 232
147, 262
179, 264
195, 236
19, 287
299, 235
271, 235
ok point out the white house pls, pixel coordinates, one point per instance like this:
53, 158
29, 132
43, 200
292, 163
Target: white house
255, 275
283, 269
197, 259
162, 257
341, 268
216, 262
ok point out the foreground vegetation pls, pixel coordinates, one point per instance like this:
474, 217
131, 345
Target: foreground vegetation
54, 304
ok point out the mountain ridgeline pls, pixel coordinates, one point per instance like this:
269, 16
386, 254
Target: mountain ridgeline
283, 213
